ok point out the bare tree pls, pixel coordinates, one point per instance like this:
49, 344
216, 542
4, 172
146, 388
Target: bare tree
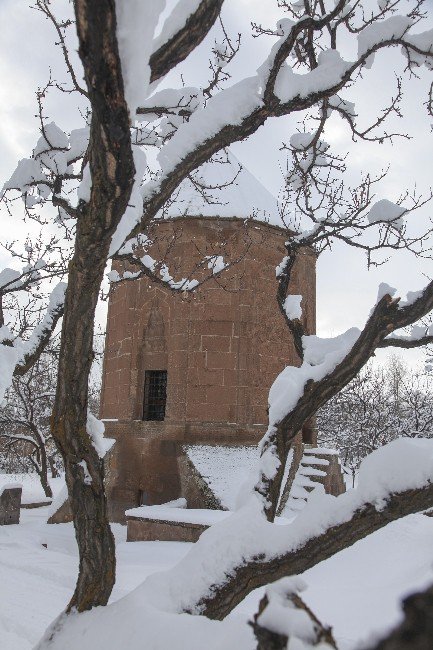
380, 404
189, 126
29, 306
25, 419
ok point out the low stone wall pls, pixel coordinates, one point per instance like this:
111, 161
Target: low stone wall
10, 502
152, 530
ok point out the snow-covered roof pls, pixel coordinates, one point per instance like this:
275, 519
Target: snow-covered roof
224, 469
244, 197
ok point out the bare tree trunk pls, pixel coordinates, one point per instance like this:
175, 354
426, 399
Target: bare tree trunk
112, 172
42, 464
43, 474
83, 467
53, 468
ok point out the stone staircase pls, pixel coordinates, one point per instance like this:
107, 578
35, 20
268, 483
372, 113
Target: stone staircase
318, 468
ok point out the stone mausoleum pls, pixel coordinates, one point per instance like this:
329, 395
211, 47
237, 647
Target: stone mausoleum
191, 371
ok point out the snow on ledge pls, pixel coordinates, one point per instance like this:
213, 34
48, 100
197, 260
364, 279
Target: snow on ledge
178, 515
321, 450
10, 486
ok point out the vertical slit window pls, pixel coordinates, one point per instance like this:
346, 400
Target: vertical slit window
155, 394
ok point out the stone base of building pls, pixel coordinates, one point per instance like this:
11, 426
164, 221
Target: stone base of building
147, 464
153, 463
311, 467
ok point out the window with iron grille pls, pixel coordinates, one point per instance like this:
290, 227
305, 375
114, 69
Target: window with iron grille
155, 394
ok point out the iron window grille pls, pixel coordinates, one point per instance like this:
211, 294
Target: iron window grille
155, 394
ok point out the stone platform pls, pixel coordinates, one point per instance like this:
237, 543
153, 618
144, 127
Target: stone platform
167, 524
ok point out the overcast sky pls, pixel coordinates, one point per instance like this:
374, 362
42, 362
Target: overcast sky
346, 291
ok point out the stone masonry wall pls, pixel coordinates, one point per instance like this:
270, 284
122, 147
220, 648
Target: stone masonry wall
222, 347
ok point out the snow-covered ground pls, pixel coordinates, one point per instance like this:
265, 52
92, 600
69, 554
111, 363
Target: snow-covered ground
357, 591
32, 488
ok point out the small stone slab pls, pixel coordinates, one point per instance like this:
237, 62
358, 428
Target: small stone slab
10, 502
152, 530
169, 524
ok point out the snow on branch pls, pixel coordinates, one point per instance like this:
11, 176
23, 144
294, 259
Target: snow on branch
159, 272
96, 429
42, 332
45, 176
136, 24
182, 32
17, 356
284, 618
181, 102
12, 280
419, 336
244, 551
328, 365
274, 90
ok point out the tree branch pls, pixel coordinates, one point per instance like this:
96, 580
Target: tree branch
396, 342
259, 571
387, 316
295, 325
179, 46
245, 125
44, 336
275, 623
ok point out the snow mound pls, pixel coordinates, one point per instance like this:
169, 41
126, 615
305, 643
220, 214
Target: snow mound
224, 469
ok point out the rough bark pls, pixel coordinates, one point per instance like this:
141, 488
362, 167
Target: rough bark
257, 572
53, 468
295, 325
406, 343
43, 471
185, 40
41, 463
112, 172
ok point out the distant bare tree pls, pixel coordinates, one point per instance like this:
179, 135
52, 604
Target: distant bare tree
380, 404
25, 419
